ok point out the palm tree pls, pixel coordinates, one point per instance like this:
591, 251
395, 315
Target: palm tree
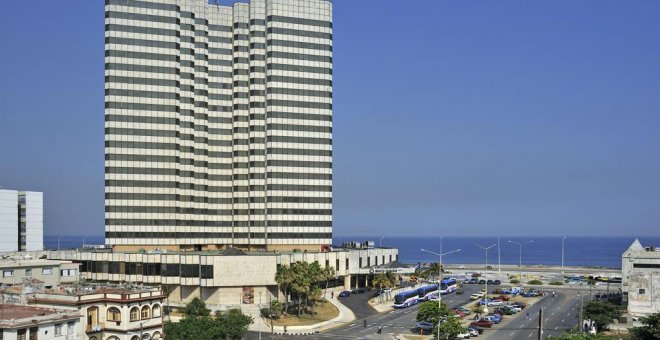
167, 290
285, 278
328, 274
433, 269
391, 277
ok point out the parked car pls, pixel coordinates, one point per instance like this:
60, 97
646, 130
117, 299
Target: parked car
360, 290
473, 281
481, 282
498, 291
504, 311
458, 312
482, 323
475, 296
496, 303
424, 326
521, 305
473, 331
497, 282
459, 290
513, 308
493, 318
464, 310
344, 294
490, 282
504, 297
465, 335
478, 329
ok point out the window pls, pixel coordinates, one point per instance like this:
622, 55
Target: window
58, 329
47, 271
155, 311
135, 314
28, 272
69, 328
114, 314
642, 291
8, 273
21, 334
68, 272
34, 333
156, 336
145, 312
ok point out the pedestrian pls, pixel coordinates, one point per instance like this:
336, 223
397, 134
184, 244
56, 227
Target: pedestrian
380, 329
527, 316
365, 323
332, 295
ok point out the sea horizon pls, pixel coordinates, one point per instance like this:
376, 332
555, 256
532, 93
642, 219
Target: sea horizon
592, 251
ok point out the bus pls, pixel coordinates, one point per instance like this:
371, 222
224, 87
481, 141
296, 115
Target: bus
427, 291
447, 286
406, 299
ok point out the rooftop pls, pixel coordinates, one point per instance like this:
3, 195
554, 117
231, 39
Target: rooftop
14, 316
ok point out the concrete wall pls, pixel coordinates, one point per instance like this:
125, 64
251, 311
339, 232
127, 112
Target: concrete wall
8, 220
34, 220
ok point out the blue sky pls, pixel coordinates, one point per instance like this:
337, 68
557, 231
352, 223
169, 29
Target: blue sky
453, 117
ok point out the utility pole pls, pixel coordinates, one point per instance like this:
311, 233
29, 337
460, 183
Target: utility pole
581, 307
499, 258
540, 337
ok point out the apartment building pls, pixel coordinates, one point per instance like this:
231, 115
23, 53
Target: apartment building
21, 220
18, 322
16, 270
640, 269
218, 124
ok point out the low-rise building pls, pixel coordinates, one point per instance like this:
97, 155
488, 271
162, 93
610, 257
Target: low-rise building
111, 313
222, 277
29, 322
640, 267
18, 267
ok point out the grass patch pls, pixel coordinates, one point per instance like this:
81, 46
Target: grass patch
535, 282
324, 311
557, 283
514, 281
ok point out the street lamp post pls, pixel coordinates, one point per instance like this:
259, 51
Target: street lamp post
440, 276
562, 255
486, 288
83, 243
58, 242
520, 244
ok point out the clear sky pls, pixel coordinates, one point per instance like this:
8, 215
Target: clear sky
460, 117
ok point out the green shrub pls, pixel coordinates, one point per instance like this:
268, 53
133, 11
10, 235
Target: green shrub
557, 283
514, 281
535, 282
476, 275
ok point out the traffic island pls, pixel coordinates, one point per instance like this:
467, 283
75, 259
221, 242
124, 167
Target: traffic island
324, 311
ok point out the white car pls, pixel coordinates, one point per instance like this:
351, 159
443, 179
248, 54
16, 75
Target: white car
465, 335
496, 303
476, 296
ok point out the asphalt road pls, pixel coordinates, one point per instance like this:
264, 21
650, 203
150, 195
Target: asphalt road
560, 313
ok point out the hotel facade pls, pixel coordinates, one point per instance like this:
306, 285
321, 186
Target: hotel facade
218, 125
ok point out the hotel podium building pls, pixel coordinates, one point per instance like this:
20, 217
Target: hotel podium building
218, 125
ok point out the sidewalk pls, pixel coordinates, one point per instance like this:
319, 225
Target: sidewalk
345, 316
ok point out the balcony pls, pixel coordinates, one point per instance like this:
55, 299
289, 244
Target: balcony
94, 328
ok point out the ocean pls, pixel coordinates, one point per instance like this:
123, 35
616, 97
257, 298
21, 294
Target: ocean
578, 251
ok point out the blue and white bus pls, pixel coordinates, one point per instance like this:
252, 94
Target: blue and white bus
427, 291
406, 299
447, 286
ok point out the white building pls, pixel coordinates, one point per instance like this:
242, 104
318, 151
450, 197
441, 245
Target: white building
640, 268
218, 124
111, 313
19, 322
51, 273
21, 220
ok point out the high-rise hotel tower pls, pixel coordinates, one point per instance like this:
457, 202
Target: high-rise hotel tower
218, 124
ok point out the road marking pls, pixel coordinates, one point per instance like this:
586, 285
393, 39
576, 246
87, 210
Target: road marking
562, 320
521, 326
569, 314
530, 335
512, 333
553, 313
556, 328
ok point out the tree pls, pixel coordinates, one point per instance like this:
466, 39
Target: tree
233, 324
284, 278
602, 313
167, 290
433, 269
199, 325
275, 307
196, 308
649, 330
328, 274
450, 328
429, 311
